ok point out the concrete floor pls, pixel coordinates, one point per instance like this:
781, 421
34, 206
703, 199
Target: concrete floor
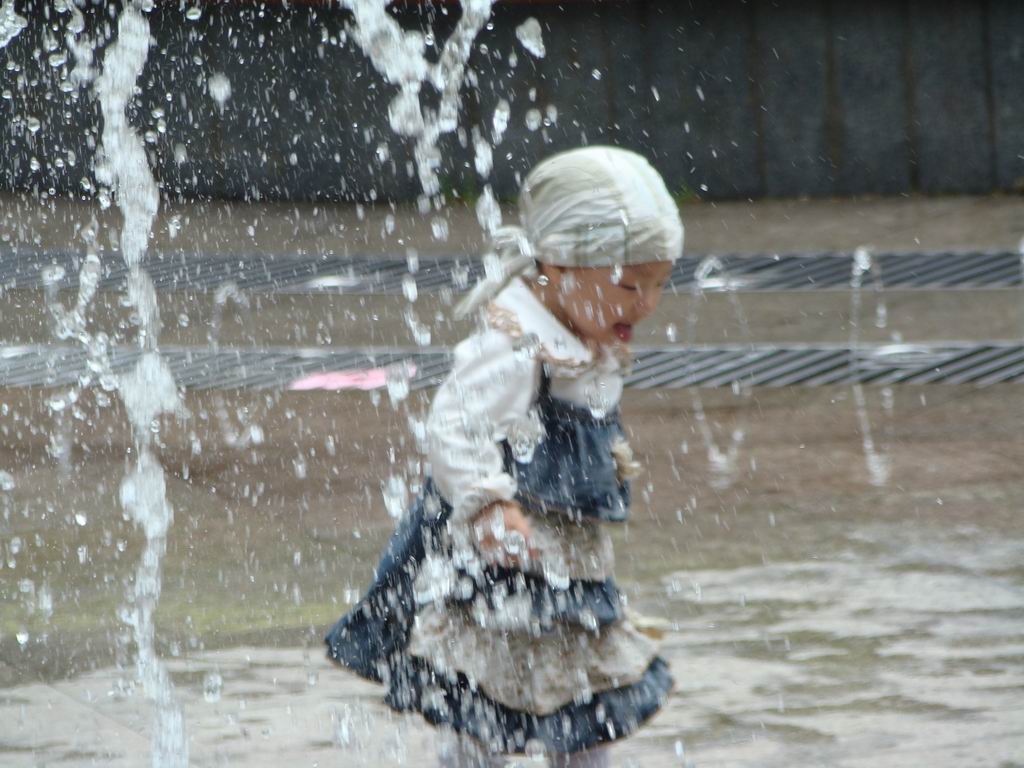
809, 610
787, 226
814, 618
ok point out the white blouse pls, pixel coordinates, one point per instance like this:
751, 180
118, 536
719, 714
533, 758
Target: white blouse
489, 395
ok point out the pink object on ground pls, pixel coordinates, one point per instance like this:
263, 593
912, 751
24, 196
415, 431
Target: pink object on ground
365, 379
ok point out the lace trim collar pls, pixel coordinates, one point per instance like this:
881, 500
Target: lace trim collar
519, 313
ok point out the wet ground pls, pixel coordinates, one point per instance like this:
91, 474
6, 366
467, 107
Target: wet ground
812, 618
764, 226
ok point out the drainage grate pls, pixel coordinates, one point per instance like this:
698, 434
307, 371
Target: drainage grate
364, 275
759, 366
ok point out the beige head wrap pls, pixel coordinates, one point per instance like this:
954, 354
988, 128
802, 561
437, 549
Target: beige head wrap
589, 207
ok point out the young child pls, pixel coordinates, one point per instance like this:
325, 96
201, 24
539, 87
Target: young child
494, 611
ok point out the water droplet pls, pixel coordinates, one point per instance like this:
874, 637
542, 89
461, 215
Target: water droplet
44, 602
194, 13
420, 331
409, 288
220, 89
51, 274
671, 333
6, 481
398, 381
483, 154
527, 347
499, 122
22, 636
33, 124
213, 685
488, 211
532, 119
531, 37
81, 519
881, 314
515, 544
861, 261
556, 573
524, 436
396, 495
596, 74
597, 401
711, 275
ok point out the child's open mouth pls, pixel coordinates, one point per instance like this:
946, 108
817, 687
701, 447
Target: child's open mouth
624, 331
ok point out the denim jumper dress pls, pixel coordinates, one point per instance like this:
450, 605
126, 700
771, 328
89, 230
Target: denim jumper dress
572, 472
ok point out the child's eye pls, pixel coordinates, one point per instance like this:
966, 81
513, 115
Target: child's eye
627, 287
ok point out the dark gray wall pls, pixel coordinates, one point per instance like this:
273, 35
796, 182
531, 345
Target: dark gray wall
729, 99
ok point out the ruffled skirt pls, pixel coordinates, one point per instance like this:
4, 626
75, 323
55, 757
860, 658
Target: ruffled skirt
543, 656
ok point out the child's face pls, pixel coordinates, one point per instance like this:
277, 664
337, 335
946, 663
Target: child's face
602, 304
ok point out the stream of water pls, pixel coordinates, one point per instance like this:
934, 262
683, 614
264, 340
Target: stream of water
148, 391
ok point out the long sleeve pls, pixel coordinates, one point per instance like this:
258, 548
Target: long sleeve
491, 388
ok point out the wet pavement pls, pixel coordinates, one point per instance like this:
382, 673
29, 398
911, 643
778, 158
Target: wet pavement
811, 616
765, 226
814, 619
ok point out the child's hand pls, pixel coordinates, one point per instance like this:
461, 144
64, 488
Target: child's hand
503, 533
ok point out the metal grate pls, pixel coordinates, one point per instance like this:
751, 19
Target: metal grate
365, 275
757, 365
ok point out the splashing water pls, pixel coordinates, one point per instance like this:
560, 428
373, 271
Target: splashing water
220, 89
227, 293
396, 495
10, 23
149, 390
876, 459
499, 121
400, 56
531, 37
711, 275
